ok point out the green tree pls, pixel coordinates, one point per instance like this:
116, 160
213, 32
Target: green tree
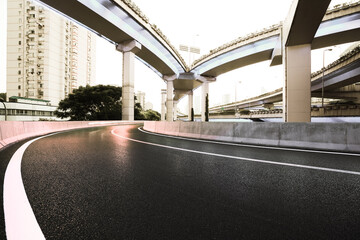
207, 108
138, 112
3, 96
101, 102
152, 115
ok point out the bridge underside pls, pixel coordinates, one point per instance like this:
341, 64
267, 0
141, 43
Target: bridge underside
337, 31
342, 77
108, 19
240, 62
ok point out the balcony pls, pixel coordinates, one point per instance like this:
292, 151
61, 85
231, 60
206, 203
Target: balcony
31, 51
31, 11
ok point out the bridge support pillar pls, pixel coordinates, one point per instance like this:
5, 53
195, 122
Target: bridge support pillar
190, 104
170, 97
297, 84
169, 101
163, 103
204, 94
175, 110
128, 48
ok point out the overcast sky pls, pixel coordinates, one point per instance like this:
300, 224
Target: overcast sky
200, 23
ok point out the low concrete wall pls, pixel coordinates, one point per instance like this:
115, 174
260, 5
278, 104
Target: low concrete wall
322, 136
13, 131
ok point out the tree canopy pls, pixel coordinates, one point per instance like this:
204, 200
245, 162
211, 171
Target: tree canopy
100, 102
3, 96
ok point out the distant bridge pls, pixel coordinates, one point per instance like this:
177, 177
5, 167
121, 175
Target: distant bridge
341, 73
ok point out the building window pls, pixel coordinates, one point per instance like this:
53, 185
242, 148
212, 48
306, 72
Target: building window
19, 35
19, 72
19, 42
19, 87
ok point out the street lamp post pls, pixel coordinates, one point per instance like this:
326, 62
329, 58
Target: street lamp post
322, 78
3, 102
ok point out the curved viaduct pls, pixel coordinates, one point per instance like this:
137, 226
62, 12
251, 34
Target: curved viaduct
308, 26
341, 73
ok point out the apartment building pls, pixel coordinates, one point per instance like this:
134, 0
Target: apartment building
47, 55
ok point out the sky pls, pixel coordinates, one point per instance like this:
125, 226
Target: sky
203, 24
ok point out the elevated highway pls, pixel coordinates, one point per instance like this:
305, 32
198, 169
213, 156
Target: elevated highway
122, 23
342, 72
339, 26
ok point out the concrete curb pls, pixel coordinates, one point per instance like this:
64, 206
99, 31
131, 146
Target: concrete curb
13, 131
344, 137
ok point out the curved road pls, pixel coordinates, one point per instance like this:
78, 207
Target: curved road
123, 183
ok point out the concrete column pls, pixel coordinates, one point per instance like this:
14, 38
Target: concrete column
170, 96
128, 48
163, 104
190, 104
170, 101
175, 110
297, 87
204, 92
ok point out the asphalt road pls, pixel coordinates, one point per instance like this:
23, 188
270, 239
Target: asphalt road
121, 183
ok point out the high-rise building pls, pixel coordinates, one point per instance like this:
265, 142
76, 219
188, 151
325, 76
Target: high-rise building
149, 106
140, 98
47, 55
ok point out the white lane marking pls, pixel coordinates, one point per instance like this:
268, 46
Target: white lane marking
240, 158
20, 221
251, 146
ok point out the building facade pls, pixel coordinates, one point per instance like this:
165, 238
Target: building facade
47, 55
140, 98
27, 109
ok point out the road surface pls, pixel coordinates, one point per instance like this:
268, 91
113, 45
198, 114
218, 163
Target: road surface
122, 183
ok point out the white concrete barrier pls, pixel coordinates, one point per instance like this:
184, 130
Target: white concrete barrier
257, 133
321, 136
172, 128
353, 137
214, 131
190, 129
13, 131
